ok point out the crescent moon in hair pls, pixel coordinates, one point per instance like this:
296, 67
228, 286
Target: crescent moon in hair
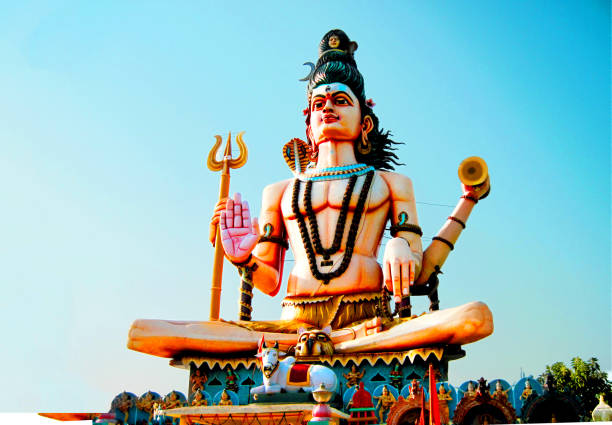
312, 67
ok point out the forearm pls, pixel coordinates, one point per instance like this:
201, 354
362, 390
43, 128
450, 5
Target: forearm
443, 243
264, 268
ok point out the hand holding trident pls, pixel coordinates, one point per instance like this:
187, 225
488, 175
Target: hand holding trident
224, 166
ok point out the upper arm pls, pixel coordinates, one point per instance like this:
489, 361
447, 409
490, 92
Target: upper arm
402, 201
271, 215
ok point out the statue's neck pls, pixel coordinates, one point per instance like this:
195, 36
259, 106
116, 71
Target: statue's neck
334, 154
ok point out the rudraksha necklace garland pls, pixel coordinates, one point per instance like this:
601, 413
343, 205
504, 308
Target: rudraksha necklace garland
352, 235
314, 226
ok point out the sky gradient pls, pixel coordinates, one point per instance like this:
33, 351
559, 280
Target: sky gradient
109, 110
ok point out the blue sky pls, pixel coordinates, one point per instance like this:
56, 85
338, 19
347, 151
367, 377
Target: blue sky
109, 109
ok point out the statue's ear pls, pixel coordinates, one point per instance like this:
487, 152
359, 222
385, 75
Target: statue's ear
327, 330
368, 124
275, 345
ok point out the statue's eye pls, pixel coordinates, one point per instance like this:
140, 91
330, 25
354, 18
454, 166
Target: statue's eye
341, 101
317, 105
322, 337
303, 338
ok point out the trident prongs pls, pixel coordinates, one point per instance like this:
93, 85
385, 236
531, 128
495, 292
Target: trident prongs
215, 165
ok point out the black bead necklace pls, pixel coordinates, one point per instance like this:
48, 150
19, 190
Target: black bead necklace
314, 226
352, 235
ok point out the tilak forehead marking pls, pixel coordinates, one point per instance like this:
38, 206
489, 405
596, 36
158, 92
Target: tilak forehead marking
332, 86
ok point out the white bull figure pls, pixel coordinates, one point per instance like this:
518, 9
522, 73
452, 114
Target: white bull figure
286, 375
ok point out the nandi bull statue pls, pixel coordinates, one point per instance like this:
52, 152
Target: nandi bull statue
279, 375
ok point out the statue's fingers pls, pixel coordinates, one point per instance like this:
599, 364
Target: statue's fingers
237, 212
387, 275
246, 215
412, 272
229, 213
406, 279
397, 280
222, 221
256, 226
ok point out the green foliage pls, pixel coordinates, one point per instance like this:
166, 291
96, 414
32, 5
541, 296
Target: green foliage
585, 381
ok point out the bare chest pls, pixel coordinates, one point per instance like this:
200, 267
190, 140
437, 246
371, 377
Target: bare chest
334, 194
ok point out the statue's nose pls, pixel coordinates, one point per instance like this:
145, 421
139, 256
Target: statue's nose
329, 106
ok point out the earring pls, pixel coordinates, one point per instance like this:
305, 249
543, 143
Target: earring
365, 147
314, 152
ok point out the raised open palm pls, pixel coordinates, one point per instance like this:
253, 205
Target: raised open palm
239, 234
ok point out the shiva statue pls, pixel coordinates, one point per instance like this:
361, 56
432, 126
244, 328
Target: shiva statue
332, 214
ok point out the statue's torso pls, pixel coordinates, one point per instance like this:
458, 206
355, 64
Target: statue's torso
363, 273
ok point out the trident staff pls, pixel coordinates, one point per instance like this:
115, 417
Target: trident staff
224, 166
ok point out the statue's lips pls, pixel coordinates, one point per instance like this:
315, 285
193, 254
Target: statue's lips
330, 118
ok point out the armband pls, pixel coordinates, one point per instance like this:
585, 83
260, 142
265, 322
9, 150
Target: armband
267, 237
274, 239
457, 220
406, 227
444, 241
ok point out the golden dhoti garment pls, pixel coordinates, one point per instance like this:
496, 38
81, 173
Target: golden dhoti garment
338, 311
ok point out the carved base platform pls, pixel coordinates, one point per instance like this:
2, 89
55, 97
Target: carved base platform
240, 374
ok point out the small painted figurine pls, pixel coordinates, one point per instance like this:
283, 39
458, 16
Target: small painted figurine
415, 389
499, 393
199, 399
231, 380
443, 399
471, 391
225, 399
172, 401
385, 401
124, 403
147, 404
396, 377
353, 377
198, 380
527, 391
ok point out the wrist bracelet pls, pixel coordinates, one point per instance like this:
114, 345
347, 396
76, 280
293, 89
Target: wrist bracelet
242, 263
445, 241
457, 220
470, 198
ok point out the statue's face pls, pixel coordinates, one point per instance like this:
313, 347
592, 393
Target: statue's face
470, 386
334, 41
527, 384
335, 114
385, 391
498, 385
442, 390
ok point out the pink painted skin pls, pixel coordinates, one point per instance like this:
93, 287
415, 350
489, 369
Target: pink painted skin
239, 234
